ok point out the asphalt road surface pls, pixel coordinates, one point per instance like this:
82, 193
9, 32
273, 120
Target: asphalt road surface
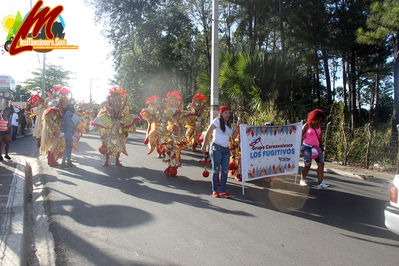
134, 215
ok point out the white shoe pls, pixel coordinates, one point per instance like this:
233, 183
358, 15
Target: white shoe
322, 185
303, 183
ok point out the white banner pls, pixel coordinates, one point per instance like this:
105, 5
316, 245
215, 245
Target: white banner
270, 150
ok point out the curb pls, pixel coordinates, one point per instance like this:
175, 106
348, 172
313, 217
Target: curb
12, 246
43, 239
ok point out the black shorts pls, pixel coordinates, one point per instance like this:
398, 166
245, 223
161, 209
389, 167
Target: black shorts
3, 133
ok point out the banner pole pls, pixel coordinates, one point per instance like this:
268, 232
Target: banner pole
243, 188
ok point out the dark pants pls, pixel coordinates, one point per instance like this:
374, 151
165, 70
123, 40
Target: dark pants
14, 132
220, 161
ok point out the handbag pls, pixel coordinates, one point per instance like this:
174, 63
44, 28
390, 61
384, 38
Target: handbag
75, 119
321, 148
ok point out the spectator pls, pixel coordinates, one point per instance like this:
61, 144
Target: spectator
15, 123
68, 128
22, 121
312, 147
9, 108
219, 149
4, 134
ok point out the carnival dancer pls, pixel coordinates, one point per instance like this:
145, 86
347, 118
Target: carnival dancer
156, 123
196, 120
312, 147
235, 151
219, 149
37, 110
114, 121
52, 143
175, 140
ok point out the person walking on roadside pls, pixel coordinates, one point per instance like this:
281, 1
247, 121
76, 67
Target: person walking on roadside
22, 121
219, 149
4, 135
15, 123
68, 129
312, 147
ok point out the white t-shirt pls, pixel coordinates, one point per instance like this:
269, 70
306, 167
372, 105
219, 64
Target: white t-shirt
219, 137
14, 121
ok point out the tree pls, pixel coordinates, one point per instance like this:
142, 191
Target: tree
55, 76
383, 25
21, 94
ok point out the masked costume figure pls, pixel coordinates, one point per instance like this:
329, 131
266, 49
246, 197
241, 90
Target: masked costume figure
196, 120
114, 121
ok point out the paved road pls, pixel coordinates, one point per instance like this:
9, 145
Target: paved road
134, 215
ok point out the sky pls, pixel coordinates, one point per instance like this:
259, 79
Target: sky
91, 61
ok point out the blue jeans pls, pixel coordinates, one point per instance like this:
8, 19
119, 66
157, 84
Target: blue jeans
68, 147
220, 158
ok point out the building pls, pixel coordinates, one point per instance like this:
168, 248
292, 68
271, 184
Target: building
7, 88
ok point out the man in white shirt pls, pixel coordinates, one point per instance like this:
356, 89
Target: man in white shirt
15, 123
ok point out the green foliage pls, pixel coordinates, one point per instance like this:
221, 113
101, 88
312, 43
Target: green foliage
55, 76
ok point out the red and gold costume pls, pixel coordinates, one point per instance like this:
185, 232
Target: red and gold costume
52, 144
114, 122
235, 157
175, 141
157, 122
196, 120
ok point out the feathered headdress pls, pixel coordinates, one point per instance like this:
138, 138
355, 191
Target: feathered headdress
152, 98
172, 94
199, 96
117, 90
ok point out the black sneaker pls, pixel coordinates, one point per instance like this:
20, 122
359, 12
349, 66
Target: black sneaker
7, 157
1, 158
70, 164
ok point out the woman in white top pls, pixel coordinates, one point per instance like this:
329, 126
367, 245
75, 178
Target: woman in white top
219, 149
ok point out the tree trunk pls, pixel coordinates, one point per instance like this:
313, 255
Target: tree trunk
395, 115
353, 91
318, 92
250, 31
377, 99
359, 102
228, 24
327, 75
368, 145
280, 9
371, 112
344, 86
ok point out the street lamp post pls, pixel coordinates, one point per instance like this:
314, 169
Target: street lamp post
215, 61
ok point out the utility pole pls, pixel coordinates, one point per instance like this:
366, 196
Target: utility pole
90, 88
43, 75
215, 61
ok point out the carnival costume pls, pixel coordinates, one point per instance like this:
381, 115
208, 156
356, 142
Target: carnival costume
114, 121
235, 157
37, 108
157, 124
52, 143
175, 141
196, 120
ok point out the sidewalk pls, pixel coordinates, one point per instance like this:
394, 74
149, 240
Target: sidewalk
353, 172
12, 186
